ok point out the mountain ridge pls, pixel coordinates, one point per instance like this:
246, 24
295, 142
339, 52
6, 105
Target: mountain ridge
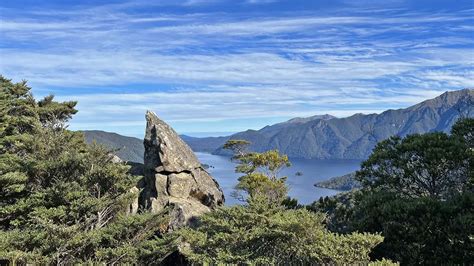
354, 137
328, 137
126, 148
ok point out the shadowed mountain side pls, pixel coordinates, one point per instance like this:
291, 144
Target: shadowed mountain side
131, 149
128, 148
354, 137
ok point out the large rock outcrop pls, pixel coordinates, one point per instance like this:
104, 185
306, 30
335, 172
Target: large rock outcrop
174, 177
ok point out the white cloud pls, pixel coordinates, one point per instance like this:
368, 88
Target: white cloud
223, 67
259, 2
216, 104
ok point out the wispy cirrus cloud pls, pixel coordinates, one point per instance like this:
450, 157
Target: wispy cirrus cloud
258, 2
231, 106
200, 65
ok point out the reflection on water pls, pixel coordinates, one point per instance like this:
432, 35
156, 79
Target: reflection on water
301, 187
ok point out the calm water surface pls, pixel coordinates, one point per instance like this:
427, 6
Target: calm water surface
301, 187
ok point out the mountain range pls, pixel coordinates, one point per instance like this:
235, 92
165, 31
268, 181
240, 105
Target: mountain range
324, 136
328, 137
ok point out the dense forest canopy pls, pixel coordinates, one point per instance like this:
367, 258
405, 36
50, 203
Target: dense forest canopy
418, 192
61, 201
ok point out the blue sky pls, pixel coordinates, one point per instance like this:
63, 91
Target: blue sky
225, 66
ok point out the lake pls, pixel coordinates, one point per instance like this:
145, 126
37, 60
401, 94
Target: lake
301, 187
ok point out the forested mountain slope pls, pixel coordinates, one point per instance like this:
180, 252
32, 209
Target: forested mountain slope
352, 137
127, 148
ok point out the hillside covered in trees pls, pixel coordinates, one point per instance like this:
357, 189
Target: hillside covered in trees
354, 137
344, 182
63, 201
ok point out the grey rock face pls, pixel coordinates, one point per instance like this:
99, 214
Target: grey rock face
133, 207
165, 151
174, 177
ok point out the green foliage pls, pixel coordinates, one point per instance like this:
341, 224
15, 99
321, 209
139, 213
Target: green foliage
61, 201
65, 202
268, 163
345, 182
383, 262
238, 146
255, 235
260, 179
433, 165
339, 210
464, 128
51, 112
418, 194
419, 231
271, 228
260, 185
291, 203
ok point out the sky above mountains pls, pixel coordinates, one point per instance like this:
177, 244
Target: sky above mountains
225, 66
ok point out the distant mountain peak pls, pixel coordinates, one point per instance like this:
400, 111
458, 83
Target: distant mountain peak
310, 118
327, 137
447, 100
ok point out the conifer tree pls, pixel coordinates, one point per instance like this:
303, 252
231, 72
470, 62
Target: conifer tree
61, 201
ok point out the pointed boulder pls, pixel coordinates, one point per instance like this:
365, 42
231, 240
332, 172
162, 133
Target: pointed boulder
174, 176
165, 151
